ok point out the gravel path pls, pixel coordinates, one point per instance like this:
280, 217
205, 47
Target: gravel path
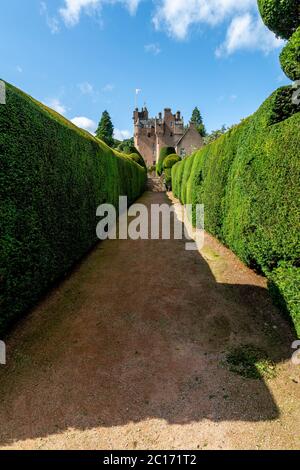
128, 353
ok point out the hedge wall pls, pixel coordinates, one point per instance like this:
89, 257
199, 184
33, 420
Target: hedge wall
249, 182
53, 177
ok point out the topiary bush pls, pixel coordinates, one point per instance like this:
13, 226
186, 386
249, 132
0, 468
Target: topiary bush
249, 183
53, 177
283, 18
171, 160
164, 153
280, 16
136, 157
290, 57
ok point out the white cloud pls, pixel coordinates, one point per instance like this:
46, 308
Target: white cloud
122, 135
52, 22
55, 104
177, 16
108, 88
86, 88
246, 29
248, 32
153, 48
72, 9
19, 69
85, 123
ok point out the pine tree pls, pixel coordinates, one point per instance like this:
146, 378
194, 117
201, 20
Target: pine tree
198, 121
105, 129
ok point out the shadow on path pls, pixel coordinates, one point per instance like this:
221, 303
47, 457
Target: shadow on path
139, 330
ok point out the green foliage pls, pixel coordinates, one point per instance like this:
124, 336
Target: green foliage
290, 57
281, 107
164, 153
105, 129
168, 164
168, 179
152, 169
249, 183
53, 177
284, 285
136, 157
198, 121
127, 146
280, 16
171, 160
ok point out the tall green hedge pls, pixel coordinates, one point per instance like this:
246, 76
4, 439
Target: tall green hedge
53, 176
249, 182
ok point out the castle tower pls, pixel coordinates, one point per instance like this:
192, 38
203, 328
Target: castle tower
166, 130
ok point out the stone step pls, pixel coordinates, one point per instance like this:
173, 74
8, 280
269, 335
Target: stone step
155, 184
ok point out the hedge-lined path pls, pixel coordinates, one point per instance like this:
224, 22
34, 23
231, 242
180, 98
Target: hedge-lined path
127, 353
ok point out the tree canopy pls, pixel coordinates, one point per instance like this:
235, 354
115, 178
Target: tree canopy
105, 129
198, 121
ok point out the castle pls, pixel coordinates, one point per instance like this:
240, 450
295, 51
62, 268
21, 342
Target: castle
152, 134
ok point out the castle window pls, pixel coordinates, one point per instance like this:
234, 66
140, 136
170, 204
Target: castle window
149, 135
171, 123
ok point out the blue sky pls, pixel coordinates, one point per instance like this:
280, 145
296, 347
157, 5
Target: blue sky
84, 56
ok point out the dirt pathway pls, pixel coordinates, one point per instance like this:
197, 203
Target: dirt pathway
128, 353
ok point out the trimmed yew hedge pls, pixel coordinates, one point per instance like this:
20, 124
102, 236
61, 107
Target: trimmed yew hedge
249, 182
53, 177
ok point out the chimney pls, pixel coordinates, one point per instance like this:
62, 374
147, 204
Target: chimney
178, 115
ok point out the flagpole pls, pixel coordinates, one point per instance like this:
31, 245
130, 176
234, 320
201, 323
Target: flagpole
137, 91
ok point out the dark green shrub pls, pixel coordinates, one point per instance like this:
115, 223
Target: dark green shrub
290, 57
284, 285
164, 153
249, 183
53, 177
169, 162
281, 106
168, 178
280, 16
152, 169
